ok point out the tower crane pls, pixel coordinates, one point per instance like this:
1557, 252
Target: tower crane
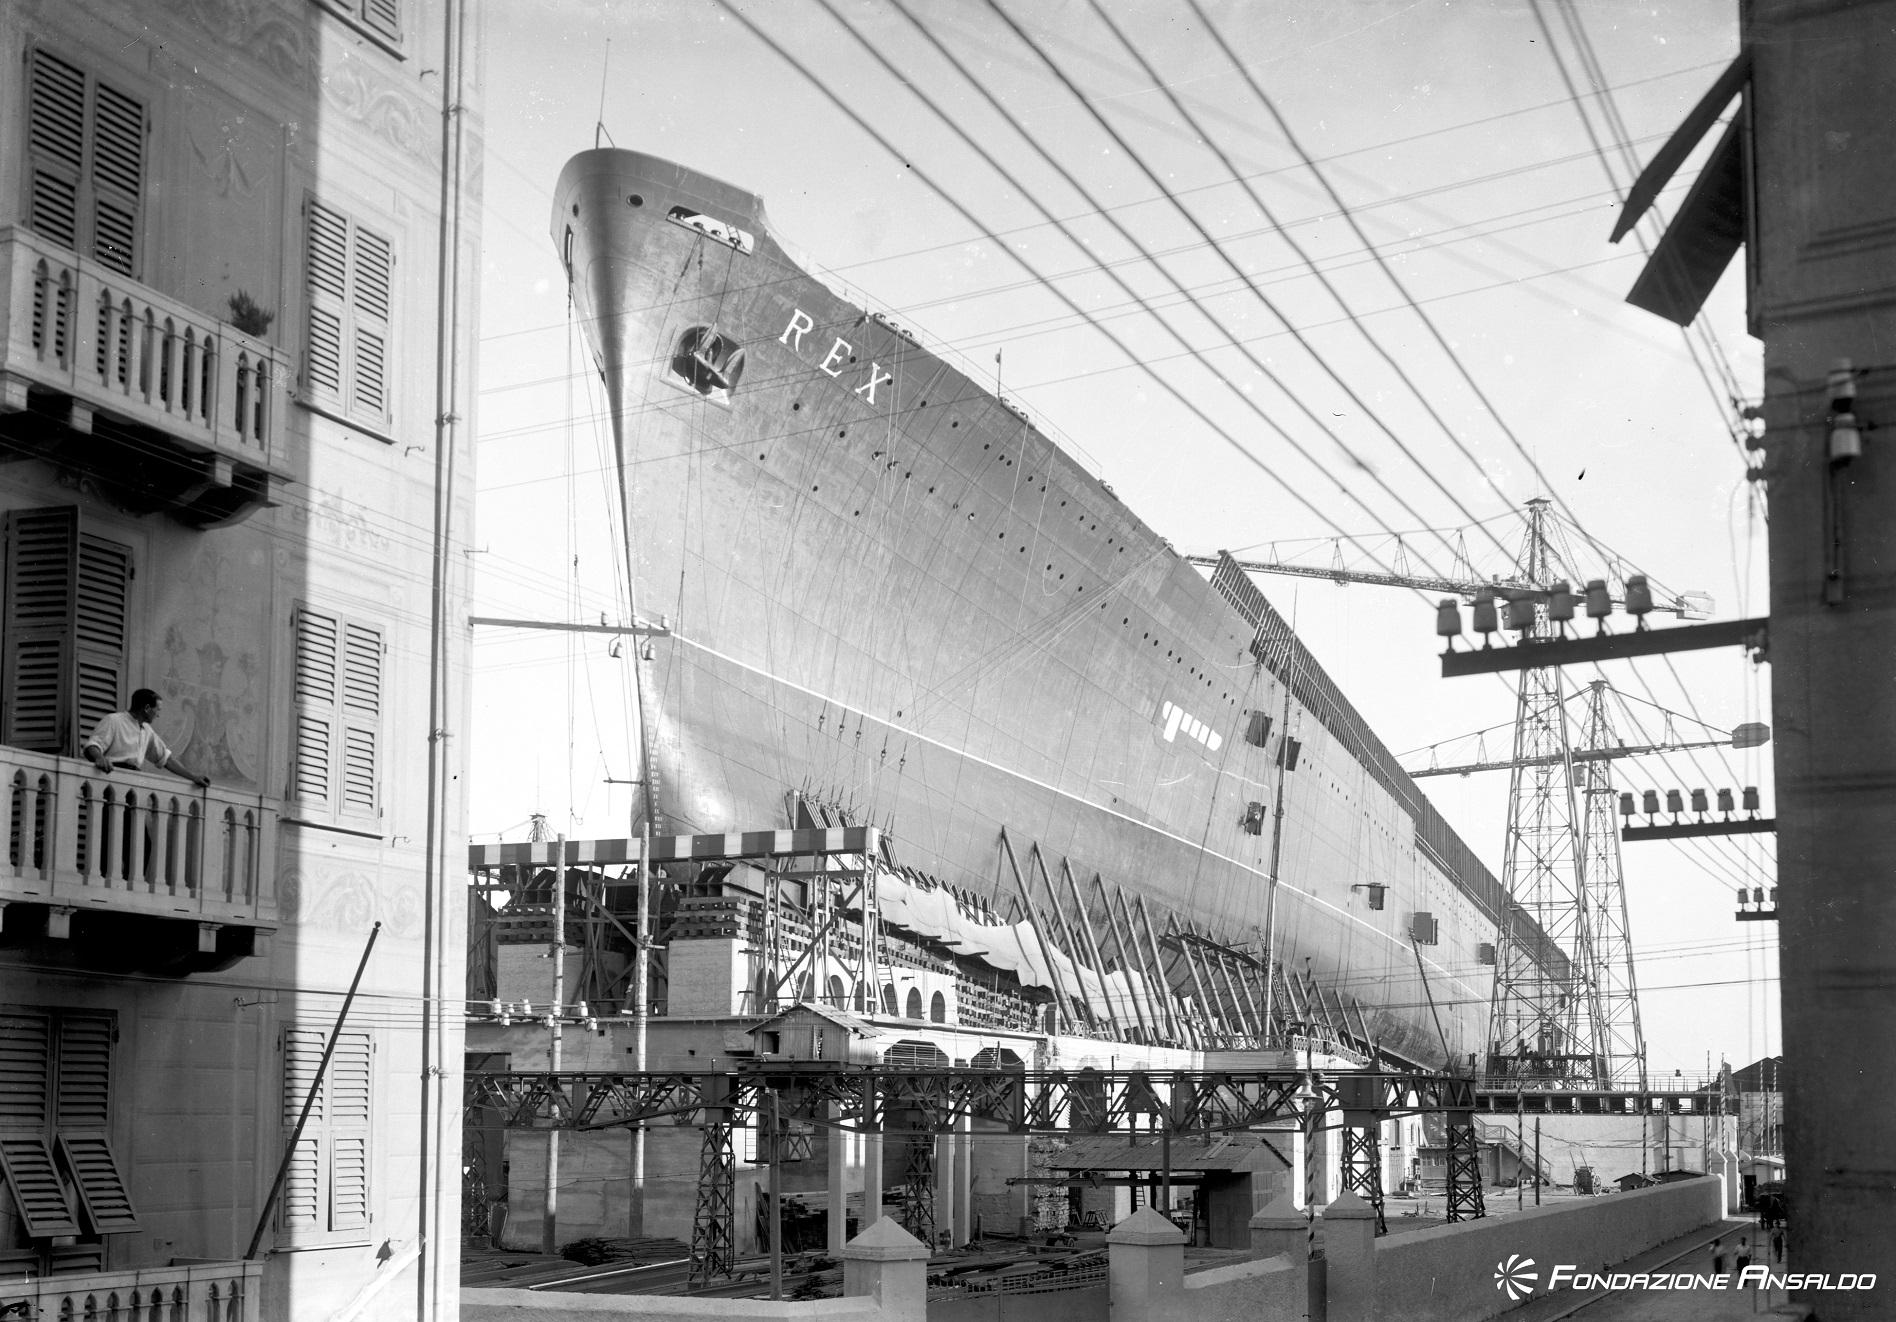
1576, 1027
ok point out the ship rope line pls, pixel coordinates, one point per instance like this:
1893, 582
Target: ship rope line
1591, 67
1231, 337
1730, 404
1298, 248
1174, 391
1388, 271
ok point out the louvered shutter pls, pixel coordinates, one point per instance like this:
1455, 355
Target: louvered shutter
361, 714
86, 162
327, 277
81, 1114
301, 1205
55, 138
385, 16
101, 613
118, 176
349, 1088
25, 1071
314, 691
372, 277
42, 557
27, 1162
26, 1104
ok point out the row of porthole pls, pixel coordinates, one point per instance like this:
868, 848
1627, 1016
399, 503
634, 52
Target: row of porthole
843, 432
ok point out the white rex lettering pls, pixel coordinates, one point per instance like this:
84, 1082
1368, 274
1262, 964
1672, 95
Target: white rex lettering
800, 321
837, 350
874, 380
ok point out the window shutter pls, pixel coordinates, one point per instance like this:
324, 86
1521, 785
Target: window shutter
361, 711
103, 1198
101, 613
302, 1184
42, 555
86, 162
385, 16
348, 1086
25, 1071
373, 276
26, 1103
314, 691
27, 1162
118, 174
327, 277
55, 137
85, 1072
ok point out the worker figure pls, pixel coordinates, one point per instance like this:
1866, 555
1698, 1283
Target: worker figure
126, 739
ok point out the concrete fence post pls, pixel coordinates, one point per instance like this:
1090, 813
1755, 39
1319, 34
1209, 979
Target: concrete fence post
890, 1265
1279, 1231
1145, 1268
1349, 1248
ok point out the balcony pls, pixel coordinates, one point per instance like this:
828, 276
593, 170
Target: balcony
167, 408
226, 1291
136, 867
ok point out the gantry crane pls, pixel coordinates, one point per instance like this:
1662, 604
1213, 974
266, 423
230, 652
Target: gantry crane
1550, 1026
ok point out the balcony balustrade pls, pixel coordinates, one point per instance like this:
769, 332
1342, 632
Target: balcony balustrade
135, 843
218, 1291
96, 367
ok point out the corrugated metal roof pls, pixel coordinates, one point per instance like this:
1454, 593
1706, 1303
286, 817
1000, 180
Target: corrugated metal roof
1225, 1152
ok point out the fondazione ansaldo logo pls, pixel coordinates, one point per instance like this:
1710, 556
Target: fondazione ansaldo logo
1516, 1277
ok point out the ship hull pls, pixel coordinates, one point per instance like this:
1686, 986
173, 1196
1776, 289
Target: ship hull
889, 592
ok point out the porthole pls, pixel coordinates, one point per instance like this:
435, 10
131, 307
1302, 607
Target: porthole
636, 200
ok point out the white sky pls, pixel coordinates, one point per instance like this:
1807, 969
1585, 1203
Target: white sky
1446, 129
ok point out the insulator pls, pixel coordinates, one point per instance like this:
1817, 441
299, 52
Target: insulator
1626, 804
1448, 618
1484, 613
493, 1008
1560, 602
506, 1020
1842, 383
1700, 804
1757, 896
1675, 802
1724, 801
1846, 438
1638, 595
1774, 890
1520, 614
583, 1012
1751, 798
1742, 893
1599, 600
1649, 803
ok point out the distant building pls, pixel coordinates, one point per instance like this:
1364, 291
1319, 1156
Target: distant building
227, 427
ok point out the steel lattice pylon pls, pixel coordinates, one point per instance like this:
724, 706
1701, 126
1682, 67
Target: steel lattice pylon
1362, 1166
1621, 1043
713, 1228
1544, 1018
918, 1189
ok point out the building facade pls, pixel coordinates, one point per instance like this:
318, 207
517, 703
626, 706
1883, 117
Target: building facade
235, 377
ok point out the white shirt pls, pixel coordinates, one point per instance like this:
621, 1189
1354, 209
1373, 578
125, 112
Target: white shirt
126, 743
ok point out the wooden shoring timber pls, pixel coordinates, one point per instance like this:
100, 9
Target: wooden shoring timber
1158, 961
1061, 1003
1137, 985
1207, 1006
1064, 930
1245, 1013
1092, 946
1164, 1007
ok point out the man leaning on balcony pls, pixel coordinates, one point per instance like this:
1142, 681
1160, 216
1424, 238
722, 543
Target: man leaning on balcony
126, 739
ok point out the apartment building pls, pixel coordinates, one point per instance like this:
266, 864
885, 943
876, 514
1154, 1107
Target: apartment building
236, 311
